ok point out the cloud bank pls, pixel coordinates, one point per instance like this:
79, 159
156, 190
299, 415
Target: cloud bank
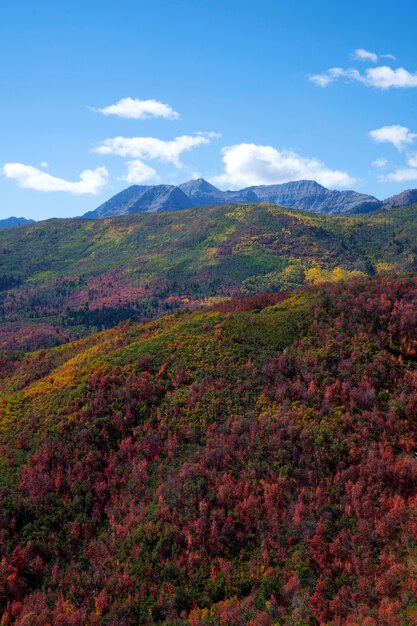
400, 137
381, 77
28, 177
403, 174
249, 164
153, 148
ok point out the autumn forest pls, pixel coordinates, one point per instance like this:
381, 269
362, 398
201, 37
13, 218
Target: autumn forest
209, 418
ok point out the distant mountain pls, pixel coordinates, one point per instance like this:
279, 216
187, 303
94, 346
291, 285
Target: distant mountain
303, 194
201, 193
308, 195
143, 199
14, 221
402, 199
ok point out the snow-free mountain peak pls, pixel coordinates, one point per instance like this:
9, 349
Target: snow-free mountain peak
307, 195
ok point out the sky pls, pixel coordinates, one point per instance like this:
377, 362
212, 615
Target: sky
97, 96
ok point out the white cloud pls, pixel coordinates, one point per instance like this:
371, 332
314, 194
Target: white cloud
401, 175
389, 56
153, 148
412, 160
138, 172
380, 163
385, 77
398, 135
249, 164
91, 181
135, 109
44, 164
365, 55
381, 77
324, 79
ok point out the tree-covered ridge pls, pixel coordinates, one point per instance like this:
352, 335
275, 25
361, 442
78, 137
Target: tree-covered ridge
61, 279
250, 464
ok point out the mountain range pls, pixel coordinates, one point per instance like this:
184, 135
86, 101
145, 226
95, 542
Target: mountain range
14, 221
306, 195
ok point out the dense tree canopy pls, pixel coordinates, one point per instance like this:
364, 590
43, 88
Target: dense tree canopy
250, 464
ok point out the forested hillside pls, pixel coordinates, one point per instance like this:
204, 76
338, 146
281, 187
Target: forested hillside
252, 463
62, 279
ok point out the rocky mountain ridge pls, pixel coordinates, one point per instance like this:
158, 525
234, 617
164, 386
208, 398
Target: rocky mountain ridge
306, 195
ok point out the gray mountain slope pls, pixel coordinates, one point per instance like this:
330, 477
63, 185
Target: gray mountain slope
302, 194
402, 199
142, 198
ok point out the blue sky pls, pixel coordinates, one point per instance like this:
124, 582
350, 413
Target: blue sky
248, 92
